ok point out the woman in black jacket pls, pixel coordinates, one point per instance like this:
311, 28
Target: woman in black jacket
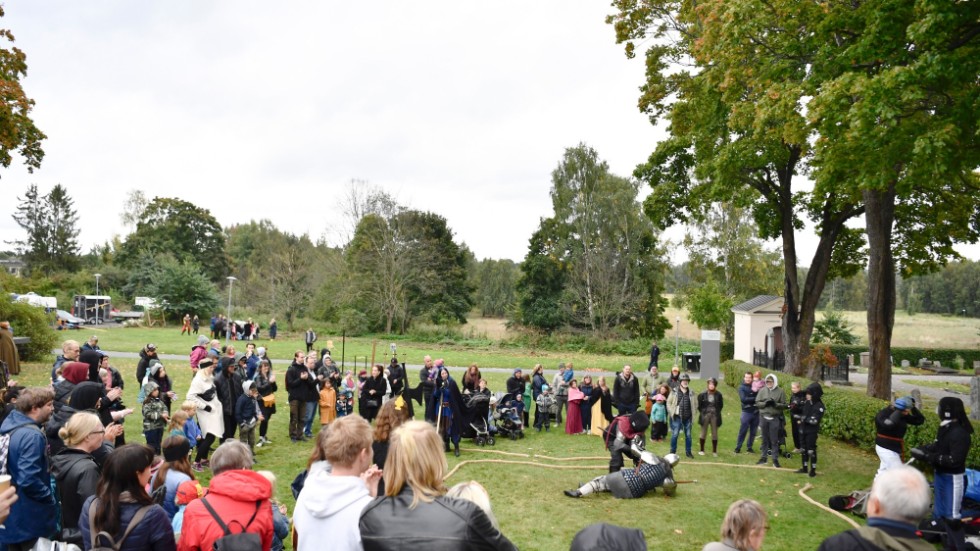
265, 383
75, 471
415, 512
948, 456
372, 392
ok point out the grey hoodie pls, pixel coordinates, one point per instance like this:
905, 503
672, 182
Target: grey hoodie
328, 510
776, 394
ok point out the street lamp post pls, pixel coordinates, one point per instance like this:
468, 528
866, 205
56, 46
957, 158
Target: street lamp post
97, 276
677, 340
231, 282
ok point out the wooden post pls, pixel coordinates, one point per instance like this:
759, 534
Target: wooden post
374, 345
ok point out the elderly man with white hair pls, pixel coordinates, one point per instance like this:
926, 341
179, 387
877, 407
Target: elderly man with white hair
899, 499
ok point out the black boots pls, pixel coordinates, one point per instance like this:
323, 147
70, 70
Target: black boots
445, 443
573, 493
456, 448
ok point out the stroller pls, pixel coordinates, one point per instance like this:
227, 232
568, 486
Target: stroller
479, 427
507, 417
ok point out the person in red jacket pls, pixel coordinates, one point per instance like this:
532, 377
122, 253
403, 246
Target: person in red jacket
236, 494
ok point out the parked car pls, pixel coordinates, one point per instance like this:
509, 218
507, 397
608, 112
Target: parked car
68, 321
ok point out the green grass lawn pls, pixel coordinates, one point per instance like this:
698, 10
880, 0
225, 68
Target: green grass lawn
527, 498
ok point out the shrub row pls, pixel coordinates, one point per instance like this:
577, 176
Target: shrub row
850, 415
946, 356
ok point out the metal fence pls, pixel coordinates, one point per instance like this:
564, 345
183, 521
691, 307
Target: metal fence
777, 362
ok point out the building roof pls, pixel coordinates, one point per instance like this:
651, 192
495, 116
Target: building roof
757, 303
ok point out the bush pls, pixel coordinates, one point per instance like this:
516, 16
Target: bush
29, 321
850, 415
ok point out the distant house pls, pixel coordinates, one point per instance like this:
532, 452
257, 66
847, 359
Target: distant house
758, 325
13, 266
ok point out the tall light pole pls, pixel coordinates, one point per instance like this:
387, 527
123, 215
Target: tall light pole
231, 282
97, 276
677, 340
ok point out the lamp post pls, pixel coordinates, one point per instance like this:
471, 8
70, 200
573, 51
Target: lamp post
97, 308
231, 282
677, 340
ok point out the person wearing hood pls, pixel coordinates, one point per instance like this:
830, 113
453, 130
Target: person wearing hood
73, 373
771, 401
86, 397
157, 373
198, 352
75, 471
515, 386
330, 504
229, 385
947, 455
155, 417
239, 496
148, 353
892, 422
809, 421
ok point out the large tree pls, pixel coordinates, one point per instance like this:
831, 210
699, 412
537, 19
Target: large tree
182, 229
495, 282
63, 231
899, 120
18, 134
614, 277
52, 234
731, 83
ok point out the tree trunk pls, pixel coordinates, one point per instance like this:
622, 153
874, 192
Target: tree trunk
879, 219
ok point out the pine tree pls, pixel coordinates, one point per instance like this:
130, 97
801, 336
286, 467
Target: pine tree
32, 216
63, 231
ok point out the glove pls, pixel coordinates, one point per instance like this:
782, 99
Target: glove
919, 454
207, 408
770, 403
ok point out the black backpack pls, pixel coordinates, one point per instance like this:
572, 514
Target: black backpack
242, 541
113, 544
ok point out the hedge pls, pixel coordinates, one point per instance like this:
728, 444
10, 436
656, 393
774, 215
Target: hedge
946, 356
850, 415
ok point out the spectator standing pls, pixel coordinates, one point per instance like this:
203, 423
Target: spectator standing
310, 339
680, 410
427, 376
810, 417
899, 499
771, 401
373, 391
210, 412
265, 382
196, 324
248, 415
471, 379
415, 512
391, 416
176, 470
229, 386
710, 404
8, 350
301, 388
330, 503
601, 402
796, 400
273, 329
749, 421
626, 391
75, 472
91, 344
69, 353
239, 496
123, 509
147, 355
155, 417
654, 356
560, 389
198, 352
573, 422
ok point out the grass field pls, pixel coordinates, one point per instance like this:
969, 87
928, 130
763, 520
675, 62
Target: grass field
527, 493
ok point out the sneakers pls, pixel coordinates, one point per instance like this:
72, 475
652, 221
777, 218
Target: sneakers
702, 452
690, 455
737, 451
775, 463
715, 454
197, 467
258, 444
573, 493
750, 450
761, 461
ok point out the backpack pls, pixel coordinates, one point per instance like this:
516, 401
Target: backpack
5, 446
113, 544
159, 494
242, 541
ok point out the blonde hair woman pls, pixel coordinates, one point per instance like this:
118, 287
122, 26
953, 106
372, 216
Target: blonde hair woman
475, 492
743, 529
75, 470
415, 511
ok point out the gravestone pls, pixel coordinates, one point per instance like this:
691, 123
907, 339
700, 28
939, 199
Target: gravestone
905, 363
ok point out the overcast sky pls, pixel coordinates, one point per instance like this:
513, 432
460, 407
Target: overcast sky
269, 109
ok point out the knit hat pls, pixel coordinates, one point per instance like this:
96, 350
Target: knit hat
518, 370
903, 403
85, 396
260, 351
92, 358
205, 364
155, 366
659, 398
247, 386
188, 491
545, 388
202, 340
149, 387
177, 450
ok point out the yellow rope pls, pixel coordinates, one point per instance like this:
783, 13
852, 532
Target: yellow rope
847, 519
529, 463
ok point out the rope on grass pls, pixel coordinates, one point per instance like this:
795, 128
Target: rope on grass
587, 458
807, 488
528, 463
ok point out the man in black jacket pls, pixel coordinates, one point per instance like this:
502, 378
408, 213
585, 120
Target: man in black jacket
626, 391
301, 389
891, 423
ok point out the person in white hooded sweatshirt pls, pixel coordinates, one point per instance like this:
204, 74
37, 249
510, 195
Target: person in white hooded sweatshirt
331, 502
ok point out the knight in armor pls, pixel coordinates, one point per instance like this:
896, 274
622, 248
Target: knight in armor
624, 437
652, 472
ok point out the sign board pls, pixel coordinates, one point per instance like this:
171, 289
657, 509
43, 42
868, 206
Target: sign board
707, 335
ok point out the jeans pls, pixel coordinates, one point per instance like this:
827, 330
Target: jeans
153, 439
626, 409
308, 415
750, 422
676, 425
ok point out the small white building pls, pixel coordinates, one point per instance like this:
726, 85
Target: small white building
758, 325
